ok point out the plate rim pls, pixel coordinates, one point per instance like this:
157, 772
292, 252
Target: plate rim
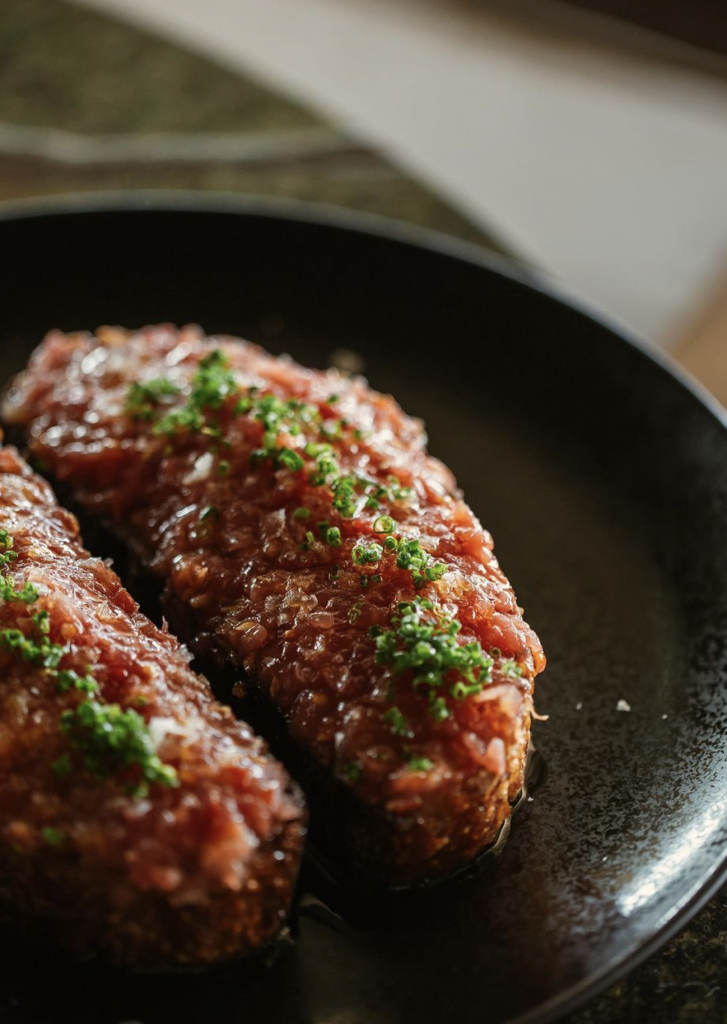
354, 222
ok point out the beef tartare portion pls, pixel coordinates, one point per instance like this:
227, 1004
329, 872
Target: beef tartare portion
139, 821
305, 536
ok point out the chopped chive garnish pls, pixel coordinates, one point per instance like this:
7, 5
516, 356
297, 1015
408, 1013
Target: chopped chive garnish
460, 690
353, 771
36, 649
211, 385
27, 593
327, 470
70, 680
290, 459
384, 524
397, 491
344, 500
397, 721
301, 513
53, 836
423, 641
438, 708
144, 399
309, 541
8, 591
110, 739
364, 553
410, 555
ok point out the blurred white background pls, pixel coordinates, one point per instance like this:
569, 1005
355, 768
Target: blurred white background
603, 164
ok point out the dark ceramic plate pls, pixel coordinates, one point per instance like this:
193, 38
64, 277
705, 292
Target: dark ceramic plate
603, 477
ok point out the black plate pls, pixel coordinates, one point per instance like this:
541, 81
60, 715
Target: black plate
603, 478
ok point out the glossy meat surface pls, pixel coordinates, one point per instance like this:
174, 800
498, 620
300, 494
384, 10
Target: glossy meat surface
241, 533
194, 866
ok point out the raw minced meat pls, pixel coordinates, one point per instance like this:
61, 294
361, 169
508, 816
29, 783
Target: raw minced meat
283, 546
192, 870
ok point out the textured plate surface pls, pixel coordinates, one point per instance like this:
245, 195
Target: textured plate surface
604, 481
